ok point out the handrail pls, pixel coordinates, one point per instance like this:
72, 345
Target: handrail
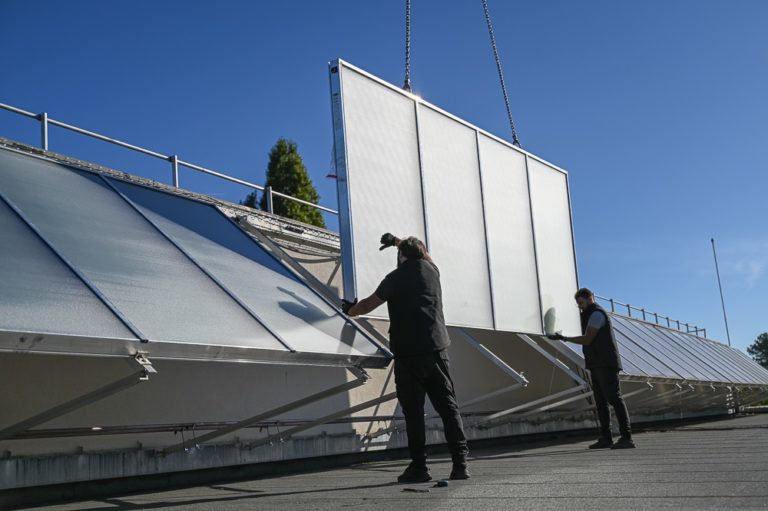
645, 314
45, 121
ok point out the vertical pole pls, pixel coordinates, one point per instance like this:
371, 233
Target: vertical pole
270, 204
720, 285
43, 130
613, 308
175, 170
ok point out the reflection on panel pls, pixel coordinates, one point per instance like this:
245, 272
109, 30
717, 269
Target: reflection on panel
456, 230
297, 314
554, 244
510, 237
381, 178
40, 294
176, 270
137, 269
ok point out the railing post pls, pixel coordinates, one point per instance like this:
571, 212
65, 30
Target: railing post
656, 315
643, 311
270, 204
43, 130
668, 324
678, 324
175, 170
613, 309
629, 310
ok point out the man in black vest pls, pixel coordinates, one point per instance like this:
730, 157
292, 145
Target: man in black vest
601, 357
418, 339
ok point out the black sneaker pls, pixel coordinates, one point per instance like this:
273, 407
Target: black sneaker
415, 474
603, 443
459, 472
624, 443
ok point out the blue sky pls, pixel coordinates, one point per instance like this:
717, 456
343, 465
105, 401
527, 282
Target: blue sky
657, 109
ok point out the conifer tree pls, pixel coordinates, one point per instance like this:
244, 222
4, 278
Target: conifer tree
287, 174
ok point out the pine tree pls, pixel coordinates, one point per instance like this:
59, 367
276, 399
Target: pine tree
759, 349
287, 174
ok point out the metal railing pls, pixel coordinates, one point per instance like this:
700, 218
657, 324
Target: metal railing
173, 159
619, 307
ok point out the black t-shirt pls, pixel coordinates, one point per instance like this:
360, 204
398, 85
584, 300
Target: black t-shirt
415, 302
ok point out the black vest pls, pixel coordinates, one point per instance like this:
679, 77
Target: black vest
603, 351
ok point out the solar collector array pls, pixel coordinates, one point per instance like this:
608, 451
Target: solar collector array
177, 271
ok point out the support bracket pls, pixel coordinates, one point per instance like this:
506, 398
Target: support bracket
361, 377
142, 374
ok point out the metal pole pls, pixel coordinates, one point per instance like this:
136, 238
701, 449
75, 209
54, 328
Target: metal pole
270, 204
175, 170
720, 285
43, 130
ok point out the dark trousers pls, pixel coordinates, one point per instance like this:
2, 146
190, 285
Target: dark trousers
429, 374
605, 385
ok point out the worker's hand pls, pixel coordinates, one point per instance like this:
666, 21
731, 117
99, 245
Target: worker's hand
388, 240
346, 305
556, 337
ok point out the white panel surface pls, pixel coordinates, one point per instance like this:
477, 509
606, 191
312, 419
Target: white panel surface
456, 228
382, 176
554, 244
510, 237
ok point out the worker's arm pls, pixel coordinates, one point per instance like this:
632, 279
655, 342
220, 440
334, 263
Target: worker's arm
585, 339
365, 306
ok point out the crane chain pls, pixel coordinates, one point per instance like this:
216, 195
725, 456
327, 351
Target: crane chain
515, 140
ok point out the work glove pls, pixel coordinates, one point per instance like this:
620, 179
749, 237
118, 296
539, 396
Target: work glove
556, 337
388, 240
346, 305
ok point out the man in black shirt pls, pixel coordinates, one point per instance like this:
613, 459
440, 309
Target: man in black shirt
418, 338
601, 357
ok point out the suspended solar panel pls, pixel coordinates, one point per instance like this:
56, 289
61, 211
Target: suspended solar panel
94, 265
654, 351
496, 219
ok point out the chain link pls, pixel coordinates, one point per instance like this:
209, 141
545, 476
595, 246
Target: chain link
407, 84
515, 140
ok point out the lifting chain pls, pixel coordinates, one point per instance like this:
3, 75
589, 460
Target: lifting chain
515, 140
407, 84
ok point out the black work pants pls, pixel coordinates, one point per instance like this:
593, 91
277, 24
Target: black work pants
429, 374
605, 385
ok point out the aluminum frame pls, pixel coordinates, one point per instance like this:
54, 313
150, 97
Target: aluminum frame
361, 377
141, 374
520, 382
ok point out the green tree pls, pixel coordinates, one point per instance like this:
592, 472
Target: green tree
287, 174
759, 349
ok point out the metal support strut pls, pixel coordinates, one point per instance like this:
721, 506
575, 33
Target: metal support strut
145, 369
361, 378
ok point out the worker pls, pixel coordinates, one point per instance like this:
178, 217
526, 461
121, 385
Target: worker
418, 340
601, 357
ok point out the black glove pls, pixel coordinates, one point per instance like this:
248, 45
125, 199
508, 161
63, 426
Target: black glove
346, 305
388, 240
556, 337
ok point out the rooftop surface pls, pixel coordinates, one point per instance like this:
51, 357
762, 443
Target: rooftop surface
719, 464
